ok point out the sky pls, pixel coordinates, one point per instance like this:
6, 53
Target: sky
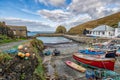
46, 15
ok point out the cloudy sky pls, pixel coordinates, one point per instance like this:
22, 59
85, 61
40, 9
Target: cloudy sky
46, 15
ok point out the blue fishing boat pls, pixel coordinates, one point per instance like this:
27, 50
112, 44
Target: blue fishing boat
92, 52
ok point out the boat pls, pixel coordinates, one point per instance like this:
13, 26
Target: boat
75, 66
95, 61
91, 51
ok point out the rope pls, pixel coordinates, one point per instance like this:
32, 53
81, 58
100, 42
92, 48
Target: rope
118, 61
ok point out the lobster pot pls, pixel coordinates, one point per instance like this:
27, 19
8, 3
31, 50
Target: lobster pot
47, 53
99, 74
90, 74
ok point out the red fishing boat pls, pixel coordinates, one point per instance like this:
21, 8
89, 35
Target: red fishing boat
100, 62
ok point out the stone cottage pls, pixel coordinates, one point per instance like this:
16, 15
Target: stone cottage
19, 31
4, 30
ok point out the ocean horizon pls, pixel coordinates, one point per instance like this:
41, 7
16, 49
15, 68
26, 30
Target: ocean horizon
32, 33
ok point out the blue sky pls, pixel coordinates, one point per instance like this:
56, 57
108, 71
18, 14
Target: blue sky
46, 15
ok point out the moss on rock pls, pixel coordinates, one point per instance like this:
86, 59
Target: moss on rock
19, 68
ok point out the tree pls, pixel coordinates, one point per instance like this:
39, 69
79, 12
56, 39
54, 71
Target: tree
60, 29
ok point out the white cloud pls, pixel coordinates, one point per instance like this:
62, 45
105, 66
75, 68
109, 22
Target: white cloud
64, 18
79, 11
55, 15
31, 25
52, 2
94, 8
76, 20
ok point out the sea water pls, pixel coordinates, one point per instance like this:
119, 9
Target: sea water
33, 33
54, 39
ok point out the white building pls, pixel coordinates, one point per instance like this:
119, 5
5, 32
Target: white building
102, 31
105, 31
117, 30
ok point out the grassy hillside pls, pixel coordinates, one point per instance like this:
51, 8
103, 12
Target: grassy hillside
111, 20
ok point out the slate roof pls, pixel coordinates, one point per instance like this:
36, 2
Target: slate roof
18, 27
103, 28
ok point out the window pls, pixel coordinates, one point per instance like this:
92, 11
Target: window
103, 33
14, 32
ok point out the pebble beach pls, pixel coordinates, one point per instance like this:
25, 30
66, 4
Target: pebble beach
56, 66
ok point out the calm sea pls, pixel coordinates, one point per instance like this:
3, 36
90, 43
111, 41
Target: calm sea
36, 32
54, 39
49, 39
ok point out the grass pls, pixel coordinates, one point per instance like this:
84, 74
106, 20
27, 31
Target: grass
5, 39
4, 56
40, 68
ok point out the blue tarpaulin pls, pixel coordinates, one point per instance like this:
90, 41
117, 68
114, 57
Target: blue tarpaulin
86, 51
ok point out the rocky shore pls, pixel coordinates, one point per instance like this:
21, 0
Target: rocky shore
26, 64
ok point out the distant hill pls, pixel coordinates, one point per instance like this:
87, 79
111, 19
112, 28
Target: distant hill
111, 20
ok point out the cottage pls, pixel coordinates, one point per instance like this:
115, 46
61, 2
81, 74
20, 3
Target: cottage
19, 31
4, 30
102, 31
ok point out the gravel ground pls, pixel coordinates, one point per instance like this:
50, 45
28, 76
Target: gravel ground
60, 69
7, 46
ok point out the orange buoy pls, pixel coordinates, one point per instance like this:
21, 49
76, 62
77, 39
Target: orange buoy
20, 47
27, 54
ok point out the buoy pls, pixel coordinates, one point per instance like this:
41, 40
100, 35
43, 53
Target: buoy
20, 47
25, 48
19, 53
23, 55
34, 54
27, 54
26, 58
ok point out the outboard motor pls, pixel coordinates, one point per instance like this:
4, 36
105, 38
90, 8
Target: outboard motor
111, 54
56, 52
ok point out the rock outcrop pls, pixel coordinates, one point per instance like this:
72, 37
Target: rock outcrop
23, 68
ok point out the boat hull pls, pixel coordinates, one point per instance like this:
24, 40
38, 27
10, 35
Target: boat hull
106, 64
75, 66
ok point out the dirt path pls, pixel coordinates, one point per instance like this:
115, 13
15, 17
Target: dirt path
7, 46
